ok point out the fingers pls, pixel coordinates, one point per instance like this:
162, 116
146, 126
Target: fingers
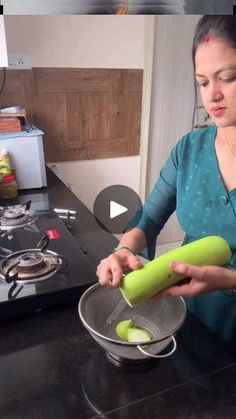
177, 291
194, 287
110, 270
204, 279
191, 271
134, 263
187, 290
161, 294
180, 291
109, 274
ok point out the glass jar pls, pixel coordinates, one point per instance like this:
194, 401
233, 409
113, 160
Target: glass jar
8, 187
5, 166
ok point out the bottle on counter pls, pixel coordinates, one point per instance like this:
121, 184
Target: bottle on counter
8, 187
5, 165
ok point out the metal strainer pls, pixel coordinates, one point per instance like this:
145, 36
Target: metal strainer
101, 309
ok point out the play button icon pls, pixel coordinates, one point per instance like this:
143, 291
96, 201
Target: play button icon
117, 208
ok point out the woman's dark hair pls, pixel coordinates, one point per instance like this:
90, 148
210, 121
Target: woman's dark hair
222, 26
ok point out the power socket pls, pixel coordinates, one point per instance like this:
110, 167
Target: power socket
19, 61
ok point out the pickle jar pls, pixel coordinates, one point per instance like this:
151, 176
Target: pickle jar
8, 187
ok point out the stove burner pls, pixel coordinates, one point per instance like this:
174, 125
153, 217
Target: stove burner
31, 265
30, 262
12, 213
15, 269
21, 220
16, 216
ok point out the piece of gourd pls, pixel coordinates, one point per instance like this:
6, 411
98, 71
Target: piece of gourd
128, 331
139, 285
138, 335
123, 327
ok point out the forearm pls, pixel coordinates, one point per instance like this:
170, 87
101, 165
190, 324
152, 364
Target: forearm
134, 239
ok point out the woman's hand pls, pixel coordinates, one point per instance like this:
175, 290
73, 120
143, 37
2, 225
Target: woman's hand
203, 279
110, 270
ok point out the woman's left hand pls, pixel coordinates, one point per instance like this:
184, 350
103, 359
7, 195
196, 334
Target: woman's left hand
202, 279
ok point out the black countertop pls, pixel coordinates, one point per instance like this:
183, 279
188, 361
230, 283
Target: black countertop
94, 241
50, 367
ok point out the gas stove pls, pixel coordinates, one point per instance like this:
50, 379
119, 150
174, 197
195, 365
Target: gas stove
31, 266
16, 216
41, 264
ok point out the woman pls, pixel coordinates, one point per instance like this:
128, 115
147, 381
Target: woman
199, 182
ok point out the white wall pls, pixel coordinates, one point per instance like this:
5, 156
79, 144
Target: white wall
78, 41
88, 178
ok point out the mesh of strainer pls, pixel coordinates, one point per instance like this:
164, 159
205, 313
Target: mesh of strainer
101, 309
123, 353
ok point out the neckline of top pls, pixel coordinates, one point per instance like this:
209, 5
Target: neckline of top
226, 191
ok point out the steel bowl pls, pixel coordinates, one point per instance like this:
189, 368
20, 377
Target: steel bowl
101, 309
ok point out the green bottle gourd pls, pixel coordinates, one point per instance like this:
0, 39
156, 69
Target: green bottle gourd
139, 285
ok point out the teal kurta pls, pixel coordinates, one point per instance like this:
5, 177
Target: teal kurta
190, 183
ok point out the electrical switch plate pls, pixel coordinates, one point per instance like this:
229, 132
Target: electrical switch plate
19, 61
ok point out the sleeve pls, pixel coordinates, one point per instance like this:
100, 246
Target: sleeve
160, 204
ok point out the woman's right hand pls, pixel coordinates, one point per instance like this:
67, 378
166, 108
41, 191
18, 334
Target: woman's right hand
110, 270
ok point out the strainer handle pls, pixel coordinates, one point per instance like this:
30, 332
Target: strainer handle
160, 356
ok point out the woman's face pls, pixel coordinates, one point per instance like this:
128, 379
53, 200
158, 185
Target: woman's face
215, 64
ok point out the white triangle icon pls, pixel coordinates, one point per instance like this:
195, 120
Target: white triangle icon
116, 209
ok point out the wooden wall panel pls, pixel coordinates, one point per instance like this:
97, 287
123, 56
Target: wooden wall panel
55, 145
99, 118
72, 80
133, 121
118, 111
77, 106
84, 113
